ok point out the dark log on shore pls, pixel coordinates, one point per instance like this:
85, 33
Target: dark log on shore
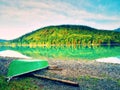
58, 80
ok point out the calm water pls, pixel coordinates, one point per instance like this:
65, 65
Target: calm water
76, 53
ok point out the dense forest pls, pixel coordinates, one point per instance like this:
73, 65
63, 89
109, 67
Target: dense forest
67, 35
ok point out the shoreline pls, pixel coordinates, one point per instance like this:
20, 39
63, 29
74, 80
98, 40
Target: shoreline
114, 60
77, 71
75, 68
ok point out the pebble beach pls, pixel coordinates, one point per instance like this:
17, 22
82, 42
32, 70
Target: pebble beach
106, 75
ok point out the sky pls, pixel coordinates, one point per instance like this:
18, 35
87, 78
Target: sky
18, 17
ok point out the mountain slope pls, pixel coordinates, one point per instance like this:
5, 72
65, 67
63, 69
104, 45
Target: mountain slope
117, 30
68, 35
2, 40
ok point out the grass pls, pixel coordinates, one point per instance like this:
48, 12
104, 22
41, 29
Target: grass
86, 83
96, 83
23, 84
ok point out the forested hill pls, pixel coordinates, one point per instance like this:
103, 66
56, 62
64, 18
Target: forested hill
68, 35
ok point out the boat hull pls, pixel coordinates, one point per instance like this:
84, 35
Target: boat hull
20, 67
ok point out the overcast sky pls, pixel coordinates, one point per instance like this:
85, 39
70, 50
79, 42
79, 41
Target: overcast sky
18, 17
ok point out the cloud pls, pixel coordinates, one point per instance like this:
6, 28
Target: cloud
46, 10
29, 15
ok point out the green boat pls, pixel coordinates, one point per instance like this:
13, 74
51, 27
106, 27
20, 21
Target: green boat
20, 66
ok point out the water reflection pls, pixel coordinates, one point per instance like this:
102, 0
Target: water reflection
76, 53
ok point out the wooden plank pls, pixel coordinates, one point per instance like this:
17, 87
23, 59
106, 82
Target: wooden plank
53, 66
58, 80
58, 69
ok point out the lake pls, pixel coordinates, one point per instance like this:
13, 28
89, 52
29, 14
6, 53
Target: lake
67, 53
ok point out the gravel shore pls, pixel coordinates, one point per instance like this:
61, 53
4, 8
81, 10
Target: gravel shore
82, 68
79, 71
